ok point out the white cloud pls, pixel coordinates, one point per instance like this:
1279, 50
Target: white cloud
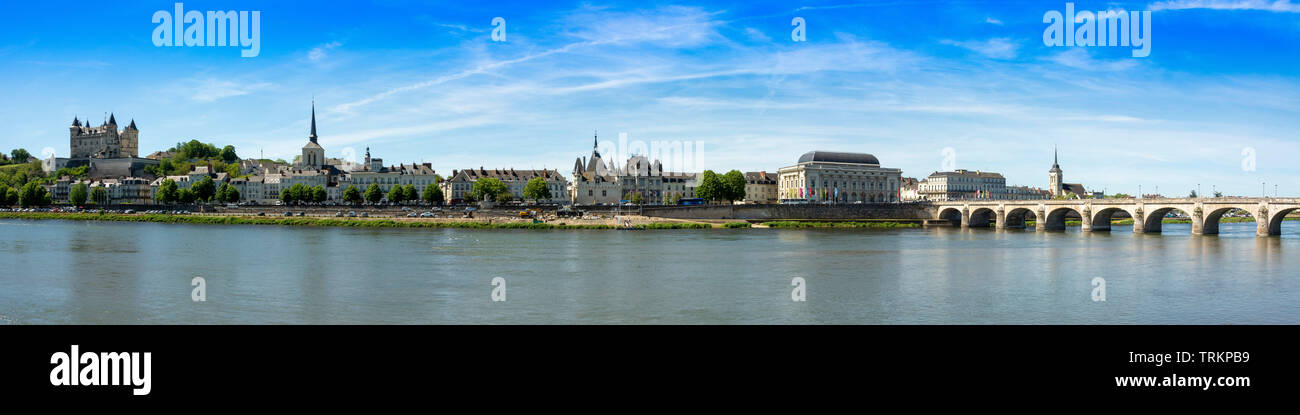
991, 20
320, 52
996, 48
673, 26
756, 35
1079, 58
208, 90
1280, 6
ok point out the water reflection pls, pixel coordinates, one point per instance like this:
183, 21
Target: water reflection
79, 272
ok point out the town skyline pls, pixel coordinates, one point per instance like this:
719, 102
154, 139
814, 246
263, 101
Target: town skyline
442, 92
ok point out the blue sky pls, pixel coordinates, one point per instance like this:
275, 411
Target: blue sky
904, 80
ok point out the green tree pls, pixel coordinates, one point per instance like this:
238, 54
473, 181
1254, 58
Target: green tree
433, 194
167, 192
33, 194
536, 189
204, 189
20, 155
99, 196
4, 192
228, 154
233, 170
710, 187
734, 184
352, 195
300, 192
409, 193
186, 196
488, 188
374, 193
232, 195
635, 198
395, 194
286, 196
12, 197
318, 194
78, 194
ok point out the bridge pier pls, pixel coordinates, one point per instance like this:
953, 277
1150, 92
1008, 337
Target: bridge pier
1085, 218
1198, 221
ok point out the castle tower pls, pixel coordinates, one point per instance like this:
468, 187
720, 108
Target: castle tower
1054, 177
104, 141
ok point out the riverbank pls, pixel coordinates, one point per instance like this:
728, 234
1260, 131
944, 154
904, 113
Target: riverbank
632, 223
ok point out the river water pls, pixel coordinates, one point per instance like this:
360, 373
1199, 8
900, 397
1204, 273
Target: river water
58, 272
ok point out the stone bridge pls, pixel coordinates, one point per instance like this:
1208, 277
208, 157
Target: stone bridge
1096, 214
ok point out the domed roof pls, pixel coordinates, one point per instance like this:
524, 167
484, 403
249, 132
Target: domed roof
838, 157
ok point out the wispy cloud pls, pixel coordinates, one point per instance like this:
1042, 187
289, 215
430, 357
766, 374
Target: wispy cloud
318, 53
996, 48
211, 89
1080, 58
1281, 6
991, 20
756, 35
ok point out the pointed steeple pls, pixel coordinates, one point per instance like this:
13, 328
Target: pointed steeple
76, 122
594, 141
111, 120
313, 122
132, 126
1056, 167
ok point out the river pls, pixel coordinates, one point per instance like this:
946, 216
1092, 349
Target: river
74, 272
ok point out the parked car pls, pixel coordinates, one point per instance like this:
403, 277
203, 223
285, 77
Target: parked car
339, 214
365, 215
352, 213
288, 213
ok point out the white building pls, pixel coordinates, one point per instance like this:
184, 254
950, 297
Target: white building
839, 177
596, 181
457, 188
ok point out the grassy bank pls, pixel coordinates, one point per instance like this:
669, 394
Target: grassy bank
857, 225
300, 221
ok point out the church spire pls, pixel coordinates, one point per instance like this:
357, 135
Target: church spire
313, 122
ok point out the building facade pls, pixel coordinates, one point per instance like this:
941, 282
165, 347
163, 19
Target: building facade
760, 187
836, 177
103, 141
598, 182
460, 186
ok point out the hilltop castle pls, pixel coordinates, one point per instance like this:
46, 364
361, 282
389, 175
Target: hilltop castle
104, 141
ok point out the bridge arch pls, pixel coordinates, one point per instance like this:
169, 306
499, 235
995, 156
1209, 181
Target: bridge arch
951, 214
981, 217
1213, 217
1155, 218
1276, 218
1101, 217
1056, 217
1015, 218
